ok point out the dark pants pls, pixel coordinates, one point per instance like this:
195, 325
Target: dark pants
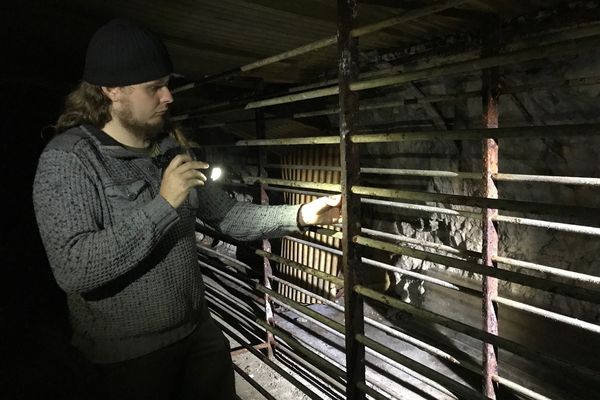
198, 367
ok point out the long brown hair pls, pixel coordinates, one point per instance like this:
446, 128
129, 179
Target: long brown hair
86, 104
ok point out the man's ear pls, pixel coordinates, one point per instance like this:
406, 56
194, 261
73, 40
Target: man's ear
113, 93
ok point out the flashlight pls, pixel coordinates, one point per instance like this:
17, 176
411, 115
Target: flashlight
214, 174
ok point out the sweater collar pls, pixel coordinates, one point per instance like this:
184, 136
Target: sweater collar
111, 147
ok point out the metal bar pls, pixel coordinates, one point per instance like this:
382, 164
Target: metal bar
567, 180
418, 207
372, 392
463, 391
572, 228
290, 378
513, 57
577, 276
350, 163
476, 333
480, 202
319, 274
490, 99
510, 276
252, 382
419, 242
264, 200
566, 130
332, 370
393, 332
548, 314
515, 387
319, 44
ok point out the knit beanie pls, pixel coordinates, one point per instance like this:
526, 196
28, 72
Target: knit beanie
121, 53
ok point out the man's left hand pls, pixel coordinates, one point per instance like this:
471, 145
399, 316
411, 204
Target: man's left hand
322, 211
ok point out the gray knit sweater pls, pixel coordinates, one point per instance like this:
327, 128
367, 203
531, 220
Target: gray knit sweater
126, 258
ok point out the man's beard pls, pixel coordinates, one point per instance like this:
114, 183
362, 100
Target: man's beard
145, 130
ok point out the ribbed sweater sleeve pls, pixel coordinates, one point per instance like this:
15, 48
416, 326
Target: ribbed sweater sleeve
83, 253
245, 221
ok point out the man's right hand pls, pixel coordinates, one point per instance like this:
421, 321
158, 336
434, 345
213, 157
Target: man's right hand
180, 177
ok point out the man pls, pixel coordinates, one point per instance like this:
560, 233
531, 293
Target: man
118, 227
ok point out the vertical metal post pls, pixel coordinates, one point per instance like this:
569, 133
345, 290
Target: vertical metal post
354, 314
490, 98
264, 200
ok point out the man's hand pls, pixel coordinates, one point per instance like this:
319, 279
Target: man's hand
322, 211
180, 177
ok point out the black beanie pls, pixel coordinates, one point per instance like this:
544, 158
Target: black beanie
121, 53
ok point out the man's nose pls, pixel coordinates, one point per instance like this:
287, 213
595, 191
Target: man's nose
166, 96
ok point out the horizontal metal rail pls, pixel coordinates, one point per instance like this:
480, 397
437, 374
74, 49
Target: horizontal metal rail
472, 267
331, 369
558, 226
513, 57
421, 208
521, 132
463, 391
290, 378
577, 276
472, 201
319, 274
393, 268
329, 41
337, 329
389, 330
515, 387
476, 333
587, 326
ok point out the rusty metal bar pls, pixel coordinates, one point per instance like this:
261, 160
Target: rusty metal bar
572, 228
476, 333
319, 274
490, 98
480, 202
513, 57
290, 378
463, 391
579, 277
567, 130
319, 44
331, 369
588, 326
506, 275
350, 175
515, 387
418, 207
393, 332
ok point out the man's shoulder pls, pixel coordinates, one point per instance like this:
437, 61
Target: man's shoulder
69, 140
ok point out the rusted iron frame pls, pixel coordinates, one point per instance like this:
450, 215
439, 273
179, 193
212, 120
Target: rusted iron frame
463, 391
329, 41
522, 132
389, 330
350, 175
513, 57
388, 267
332, 370
337, 329
490, 98
576, 276
264, 200
475, 268
290, 378
583, 325
504, 177
514, 347
515, 387
293, 264
471, 201
559, 226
